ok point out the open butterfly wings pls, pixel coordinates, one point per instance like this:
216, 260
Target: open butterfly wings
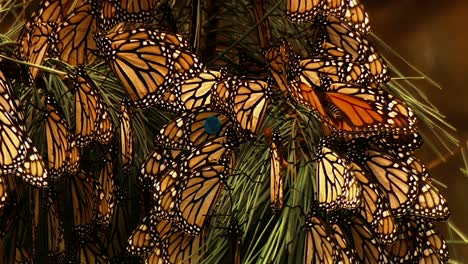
353, 109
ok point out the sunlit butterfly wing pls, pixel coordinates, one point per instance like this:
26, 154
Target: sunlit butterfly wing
356, 15
395, 177
18, 154
192, 93
429, 203
199, 194
106, 14
144, 67
335, 184
319, 244
249, 104
12, 144
185, 248
39, 33
169, 187
33, 170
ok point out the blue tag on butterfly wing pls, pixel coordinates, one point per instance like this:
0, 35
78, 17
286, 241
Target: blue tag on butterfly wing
212, 125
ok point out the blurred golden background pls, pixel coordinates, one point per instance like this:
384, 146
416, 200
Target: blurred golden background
433, 36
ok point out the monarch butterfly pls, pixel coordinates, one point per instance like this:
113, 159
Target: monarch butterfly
85, 198
281, 59
155, 67
303, 10
126, 135
38, 34
120, 226
193, 128
57, 135
92, 118
106, 14
143, 239
319, 244
249, 104
429, 202
374, 207
106, 182
192, 93
360, 236
349, 11
338, 71
336, 186
433, 246
55, 231
345, 252
178, 247
175, 187
199, 195
274, 141
19, 155
407, 246
339, 41
351, 108
75, 40
394, 176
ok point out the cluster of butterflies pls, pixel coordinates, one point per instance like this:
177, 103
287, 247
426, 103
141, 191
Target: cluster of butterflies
374, 200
